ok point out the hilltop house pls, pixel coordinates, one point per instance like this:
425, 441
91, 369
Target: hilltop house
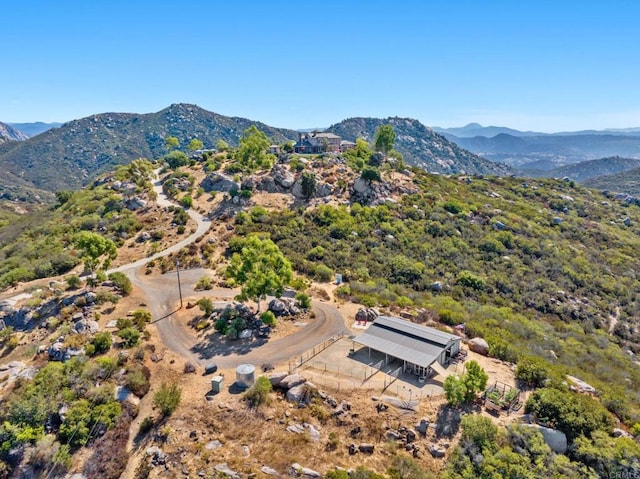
318, 142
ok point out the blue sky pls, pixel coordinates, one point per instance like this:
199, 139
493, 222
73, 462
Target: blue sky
531, 65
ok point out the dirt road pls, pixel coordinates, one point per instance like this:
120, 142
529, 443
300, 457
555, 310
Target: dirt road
163, 299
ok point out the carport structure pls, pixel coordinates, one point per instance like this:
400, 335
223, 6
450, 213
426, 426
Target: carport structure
421, 349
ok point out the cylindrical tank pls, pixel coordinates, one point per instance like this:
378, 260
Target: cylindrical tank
245, 375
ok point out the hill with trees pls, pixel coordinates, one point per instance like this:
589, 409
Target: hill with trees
587, 170
624, 182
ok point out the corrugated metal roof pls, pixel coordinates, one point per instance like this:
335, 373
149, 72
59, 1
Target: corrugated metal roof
405, 340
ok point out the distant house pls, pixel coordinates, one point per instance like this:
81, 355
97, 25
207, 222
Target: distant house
274, 149
318, 142
422, 350
346, 145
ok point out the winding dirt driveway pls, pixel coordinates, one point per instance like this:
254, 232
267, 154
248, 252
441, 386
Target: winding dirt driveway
163, 299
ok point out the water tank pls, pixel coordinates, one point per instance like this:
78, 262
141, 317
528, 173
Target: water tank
245, 375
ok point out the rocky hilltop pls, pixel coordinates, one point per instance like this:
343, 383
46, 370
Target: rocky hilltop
8, 133
421, 146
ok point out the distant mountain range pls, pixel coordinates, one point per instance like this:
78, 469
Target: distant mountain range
69, 156
475, 129
586, 170
531, 151
33, 129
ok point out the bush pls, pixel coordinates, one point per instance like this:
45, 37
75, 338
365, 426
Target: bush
167, 398
130, 336
323, 273
480, 430
268, 318
258, 394
304, 301
137, 379
73, 281
102, 342
146, 425
532, 370
572, 413
204, 283
121, 282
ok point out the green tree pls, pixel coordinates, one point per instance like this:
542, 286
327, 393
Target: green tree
358, 157
222, 145
288, 147
176, 159
186, 201
308, 184
370, 174
73, 281
206, 306
385, 138
260, 268
480, 430
94, 247
195, 144
167, 398
475, 379
252, 154
171, 143
454, 390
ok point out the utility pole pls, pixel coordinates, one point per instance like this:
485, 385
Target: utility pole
179, 285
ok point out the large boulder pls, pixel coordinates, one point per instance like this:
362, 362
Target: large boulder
291, 380
283, 177
296, 393
276, 378
479, 345
556, 440
219, 182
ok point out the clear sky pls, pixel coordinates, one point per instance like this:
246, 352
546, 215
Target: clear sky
531, 64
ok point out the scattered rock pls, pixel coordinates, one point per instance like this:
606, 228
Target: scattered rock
296, 393
276, 378
366, 448
213, 445
219, 182
617, 432
423, 426
300, 471
437, 451
268, 471
224, 469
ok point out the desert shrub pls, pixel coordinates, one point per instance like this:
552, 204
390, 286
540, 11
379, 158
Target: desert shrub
322, 272
121, 282
137, 379
167, 398
146, 425
303, 299
130, 336
102, 342
204, 283
258, 394
73, 281
268, 318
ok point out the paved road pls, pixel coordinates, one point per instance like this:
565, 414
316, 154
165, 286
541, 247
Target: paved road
163, 298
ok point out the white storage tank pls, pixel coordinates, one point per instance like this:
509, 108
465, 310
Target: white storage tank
245, 375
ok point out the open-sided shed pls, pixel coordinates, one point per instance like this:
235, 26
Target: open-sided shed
418, 347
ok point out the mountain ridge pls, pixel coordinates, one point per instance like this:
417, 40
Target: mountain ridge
69, 156
34, 128
9, 133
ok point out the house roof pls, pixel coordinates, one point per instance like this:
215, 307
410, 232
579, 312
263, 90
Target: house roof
405, 340
325, 135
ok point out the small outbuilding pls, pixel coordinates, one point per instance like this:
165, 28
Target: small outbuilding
421, 349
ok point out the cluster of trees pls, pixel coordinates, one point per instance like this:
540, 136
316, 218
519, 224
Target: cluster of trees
85, 225
32, 418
